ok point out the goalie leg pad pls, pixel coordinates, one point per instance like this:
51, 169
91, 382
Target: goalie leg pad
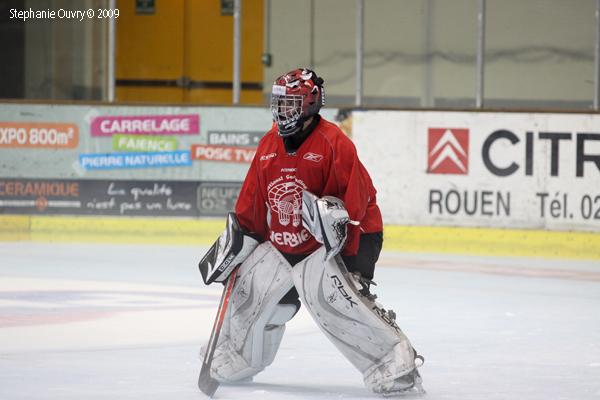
255, 322
360, 328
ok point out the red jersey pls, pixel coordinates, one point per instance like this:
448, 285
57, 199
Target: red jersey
270, 201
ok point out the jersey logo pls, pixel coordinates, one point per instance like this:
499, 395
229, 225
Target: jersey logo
285, 199
268, 156
313, 157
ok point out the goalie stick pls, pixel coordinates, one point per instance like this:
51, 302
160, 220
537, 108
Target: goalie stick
206, 383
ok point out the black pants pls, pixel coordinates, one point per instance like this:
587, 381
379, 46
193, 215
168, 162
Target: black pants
363, 262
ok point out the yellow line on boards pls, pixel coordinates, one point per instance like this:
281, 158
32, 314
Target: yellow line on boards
185, 231
15, 227
494, 242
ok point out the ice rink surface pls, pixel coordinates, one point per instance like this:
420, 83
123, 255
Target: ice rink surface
126, 322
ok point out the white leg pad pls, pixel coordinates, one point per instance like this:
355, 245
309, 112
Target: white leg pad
255, 322
360, 328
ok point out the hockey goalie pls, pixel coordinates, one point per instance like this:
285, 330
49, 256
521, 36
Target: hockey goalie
306, 230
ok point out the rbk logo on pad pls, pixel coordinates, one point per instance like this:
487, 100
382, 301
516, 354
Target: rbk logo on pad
448, 151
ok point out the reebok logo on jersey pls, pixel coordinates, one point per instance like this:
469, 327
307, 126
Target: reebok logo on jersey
448, 151
268, 156
313, 157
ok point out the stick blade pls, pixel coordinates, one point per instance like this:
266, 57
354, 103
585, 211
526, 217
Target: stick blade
206, 383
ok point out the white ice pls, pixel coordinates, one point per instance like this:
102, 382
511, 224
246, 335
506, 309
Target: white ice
126, 322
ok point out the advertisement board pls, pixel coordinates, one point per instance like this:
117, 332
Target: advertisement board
110, 159
517, 170
131, 142
117, 197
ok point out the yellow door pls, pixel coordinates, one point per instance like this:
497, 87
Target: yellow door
209, 52
181, 51
149, 52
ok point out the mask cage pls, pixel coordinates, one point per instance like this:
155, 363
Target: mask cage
286, 109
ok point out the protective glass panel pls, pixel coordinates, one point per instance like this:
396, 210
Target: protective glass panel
54, 58
420, 54
301, 34
416, 54
540, 54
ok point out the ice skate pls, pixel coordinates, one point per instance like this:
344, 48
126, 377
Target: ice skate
410, 384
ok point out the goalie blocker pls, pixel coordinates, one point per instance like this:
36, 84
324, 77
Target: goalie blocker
229, 250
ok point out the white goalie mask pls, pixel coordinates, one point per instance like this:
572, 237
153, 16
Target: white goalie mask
326, 219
